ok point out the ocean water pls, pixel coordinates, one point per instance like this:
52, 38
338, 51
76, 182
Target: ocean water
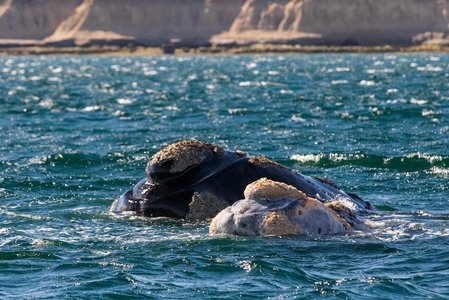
76, 132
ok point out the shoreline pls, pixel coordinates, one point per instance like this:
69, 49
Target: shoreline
214, 50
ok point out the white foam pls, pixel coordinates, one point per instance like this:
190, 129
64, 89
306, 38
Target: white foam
429, 157
307, 157
374, 71
286, 91
23, 215
335, 157
438, 171
298, 119
247, 83
125, 101
404, 227
367, 83
392, 91
427, 112
93, 108
233, 111
40, 243
418, 101
430, 68
46, 103
335, 82
56, 70
247, 265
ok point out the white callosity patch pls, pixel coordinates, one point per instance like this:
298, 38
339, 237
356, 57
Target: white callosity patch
275, 208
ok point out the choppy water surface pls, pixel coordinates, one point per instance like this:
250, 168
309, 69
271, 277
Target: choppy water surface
77, 131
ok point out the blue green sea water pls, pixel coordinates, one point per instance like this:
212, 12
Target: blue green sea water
77, 131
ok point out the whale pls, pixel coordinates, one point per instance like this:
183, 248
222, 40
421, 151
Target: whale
271, 208
197, 179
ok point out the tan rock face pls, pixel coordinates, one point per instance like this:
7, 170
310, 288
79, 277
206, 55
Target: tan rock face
198, 22
358, 22
151, 22
33, 19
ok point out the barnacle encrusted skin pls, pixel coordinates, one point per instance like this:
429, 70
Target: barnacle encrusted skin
185, 154
340, 210
205, 206
266, 189
338, 206
265, 162
277, 223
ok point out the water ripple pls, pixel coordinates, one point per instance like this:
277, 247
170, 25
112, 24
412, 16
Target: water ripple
78, 131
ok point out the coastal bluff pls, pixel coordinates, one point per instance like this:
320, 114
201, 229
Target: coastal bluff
223, 22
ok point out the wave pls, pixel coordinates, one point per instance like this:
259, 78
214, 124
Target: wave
436, 164
419, 225
85, 159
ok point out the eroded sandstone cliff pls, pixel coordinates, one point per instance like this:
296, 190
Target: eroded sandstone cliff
359, 22
198, 22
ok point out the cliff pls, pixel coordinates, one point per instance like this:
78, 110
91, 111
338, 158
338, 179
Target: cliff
351, 22
200, 22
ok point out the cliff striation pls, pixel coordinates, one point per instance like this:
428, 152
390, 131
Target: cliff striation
201, 22
341, 22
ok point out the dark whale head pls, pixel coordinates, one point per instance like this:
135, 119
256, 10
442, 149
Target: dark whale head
174, 174
155, 200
